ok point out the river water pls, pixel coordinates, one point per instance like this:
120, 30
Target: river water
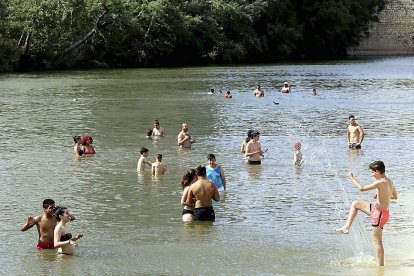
273, 219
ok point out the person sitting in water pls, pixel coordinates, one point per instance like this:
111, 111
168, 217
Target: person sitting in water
87, 145
189, 178
313, 93
258, 92
77, 149
285, 88
157, 130
228, 95
64, 242
149, 133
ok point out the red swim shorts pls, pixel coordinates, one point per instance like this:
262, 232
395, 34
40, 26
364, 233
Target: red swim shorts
378, 217
45, 245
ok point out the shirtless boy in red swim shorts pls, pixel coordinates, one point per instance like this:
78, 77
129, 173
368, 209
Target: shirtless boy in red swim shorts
45, 224
379, 211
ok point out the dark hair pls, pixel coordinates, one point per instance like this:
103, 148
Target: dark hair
351, 116
76, 138
188, 177
201, 170
149, 132
255, 133
377, 166
159, 156
143, 150
59, 211
48, 202
156, 122
211, 156
249, 135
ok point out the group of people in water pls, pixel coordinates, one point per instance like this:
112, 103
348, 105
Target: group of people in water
83, 146
203, 185
51, 228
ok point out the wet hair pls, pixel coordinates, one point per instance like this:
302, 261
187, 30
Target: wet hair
159, 156
255, 133
377, 166
149, 132
59, 211
76, 138
249, 135
85, 138
211, 157
201, 170
351, 117
48, 202
144, 150
188, 177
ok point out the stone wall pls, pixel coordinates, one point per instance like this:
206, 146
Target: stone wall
393, 34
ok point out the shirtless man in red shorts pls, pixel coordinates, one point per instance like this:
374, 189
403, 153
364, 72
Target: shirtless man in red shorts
379, 212
45, 224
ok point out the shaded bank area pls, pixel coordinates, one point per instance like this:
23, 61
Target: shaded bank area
50, 34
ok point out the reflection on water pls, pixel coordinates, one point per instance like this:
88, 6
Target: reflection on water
273, 218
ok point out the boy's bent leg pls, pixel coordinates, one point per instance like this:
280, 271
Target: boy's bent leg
379, 248
353, 211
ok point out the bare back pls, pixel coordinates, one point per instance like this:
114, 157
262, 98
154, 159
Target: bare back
204, 192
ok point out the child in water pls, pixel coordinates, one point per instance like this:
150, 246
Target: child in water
158, 167
297, 156
143, 159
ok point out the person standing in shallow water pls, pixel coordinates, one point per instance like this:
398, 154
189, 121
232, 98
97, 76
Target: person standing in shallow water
258, 92
215, 173
184, 139
355, 134
201, 194
379, 211
87, 145
189, 178
77, 149
65, 246
158, 130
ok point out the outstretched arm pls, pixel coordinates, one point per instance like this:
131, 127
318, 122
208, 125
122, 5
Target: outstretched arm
361, 187
30, 223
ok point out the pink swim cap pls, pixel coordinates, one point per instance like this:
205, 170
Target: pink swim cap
296, 145
85, 138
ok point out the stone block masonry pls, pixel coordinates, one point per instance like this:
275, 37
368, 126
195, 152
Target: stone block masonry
392, 35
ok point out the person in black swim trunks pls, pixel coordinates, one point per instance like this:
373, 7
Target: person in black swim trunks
202, 192
254, 150
355, 134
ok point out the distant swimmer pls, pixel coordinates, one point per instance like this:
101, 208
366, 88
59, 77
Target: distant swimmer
184, 139
313, 93
201, 194
189, 178
378, 211
143, 160
355, 134
149, 133
258, 92
157, 130
297, 156
254, 150
62, 240
285, 88
158, 167
228, 95
87, 145
212, 92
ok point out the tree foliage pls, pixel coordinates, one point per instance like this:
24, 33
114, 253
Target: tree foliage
50, 34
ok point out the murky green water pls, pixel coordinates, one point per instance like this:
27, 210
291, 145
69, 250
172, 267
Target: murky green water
273, 220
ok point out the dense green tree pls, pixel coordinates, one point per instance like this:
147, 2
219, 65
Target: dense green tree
48, 34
